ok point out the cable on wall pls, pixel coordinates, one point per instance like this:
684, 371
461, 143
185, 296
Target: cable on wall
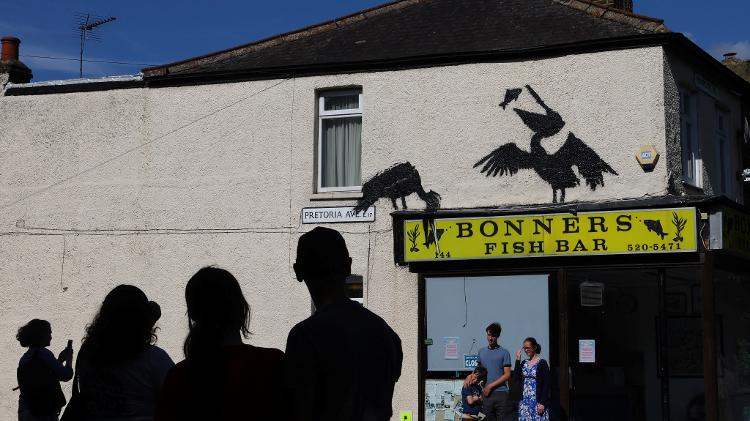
89, 60
369, 271
466, 306
136, 148
62, 266
291, 168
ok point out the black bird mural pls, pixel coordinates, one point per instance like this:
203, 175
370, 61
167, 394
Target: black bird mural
398, 181
555, 169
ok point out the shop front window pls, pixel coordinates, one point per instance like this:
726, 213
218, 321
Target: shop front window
731, 298
619, 371
458, 311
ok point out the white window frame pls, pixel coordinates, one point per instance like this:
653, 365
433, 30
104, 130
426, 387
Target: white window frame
333, 114
724, 147
694, 161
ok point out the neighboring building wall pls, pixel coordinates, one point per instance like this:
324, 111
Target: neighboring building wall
739, 66
145, 186
711, 95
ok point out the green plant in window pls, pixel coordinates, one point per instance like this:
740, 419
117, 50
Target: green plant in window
679, 224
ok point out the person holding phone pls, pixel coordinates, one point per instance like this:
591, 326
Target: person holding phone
533, 374
40, 373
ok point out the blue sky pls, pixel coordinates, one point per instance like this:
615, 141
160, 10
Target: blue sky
162, 32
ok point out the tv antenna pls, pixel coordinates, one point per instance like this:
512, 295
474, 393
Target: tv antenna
86, 24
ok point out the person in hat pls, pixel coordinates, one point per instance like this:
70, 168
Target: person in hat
344, 360
119, 370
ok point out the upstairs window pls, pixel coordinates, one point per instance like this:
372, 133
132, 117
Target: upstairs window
339, 140
692, 166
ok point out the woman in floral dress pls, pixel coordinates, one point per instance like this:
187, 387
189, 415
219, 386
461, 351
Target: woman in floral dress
533, 373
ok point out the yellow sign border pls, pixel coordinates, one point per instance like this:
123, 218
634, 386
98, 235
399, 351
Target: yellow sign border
693, 230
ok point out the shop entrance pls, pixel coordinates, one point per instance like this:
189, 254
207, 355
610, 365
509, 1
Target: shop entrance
457, 312
618, 342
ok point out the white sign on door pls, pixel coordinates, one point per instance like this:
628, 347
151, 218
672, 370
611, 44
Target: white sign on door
586, 351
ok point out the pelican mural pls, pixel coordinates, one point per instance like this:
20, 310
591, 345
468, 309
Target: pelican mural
555, 169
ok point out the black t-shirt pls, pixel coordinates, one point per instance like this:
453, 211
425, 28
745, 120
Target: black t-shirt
342, 364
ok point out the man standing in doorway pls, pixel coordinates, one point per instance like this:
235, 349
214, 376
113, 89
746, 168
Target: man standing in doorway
343, 361
496, 359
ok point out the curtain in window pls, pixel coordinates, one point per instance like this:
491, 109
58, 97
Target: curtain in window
341, 102
341, 152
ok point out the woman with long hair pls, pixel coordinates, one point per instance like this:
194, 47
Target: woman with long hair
40, 373
120, 371
221, 378
533, 375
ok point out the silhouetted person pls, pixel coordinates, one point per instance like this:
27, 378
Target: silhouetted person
343, 361
120, 372
40, 373
221, 378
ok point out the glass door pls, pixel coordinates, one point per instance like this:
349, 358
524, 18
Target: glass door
635, 344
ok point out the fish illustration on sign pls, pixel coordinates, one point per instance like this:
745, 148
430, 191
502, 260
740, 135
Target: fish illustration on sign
555, 169
654, 225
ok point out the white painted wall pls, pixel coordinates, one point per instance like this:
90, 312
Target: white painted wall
145, 186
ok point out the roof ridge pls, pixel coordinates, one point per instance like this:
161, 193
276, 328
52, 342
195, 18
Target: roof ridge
635, 20
313, 29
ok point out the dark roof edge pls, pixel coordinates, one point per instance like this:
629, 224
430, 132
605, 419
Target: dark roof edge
675, 40
638, 21
275, 39
73, 87
431, 60
617, 15
678, 42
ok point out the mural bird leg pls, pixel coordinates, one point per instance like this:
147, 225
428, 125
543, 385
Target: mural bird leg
403, 202
562, 195
554, 195
395, 206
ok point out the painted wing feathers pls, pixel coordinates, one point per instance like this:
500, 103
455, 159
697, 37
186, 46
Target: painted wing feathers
506, 159
590, 166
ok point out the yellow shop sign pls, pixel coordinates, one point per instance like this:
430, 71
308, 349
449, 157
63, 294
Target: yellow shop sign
563, 234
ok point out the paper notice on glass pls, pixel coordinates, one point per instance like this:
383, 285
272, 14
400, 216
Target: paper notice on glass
586, 351
451, 348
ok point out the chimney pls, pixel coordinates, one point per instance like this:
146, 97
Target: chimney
730, 56
737, 65
11, 69
626, 5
